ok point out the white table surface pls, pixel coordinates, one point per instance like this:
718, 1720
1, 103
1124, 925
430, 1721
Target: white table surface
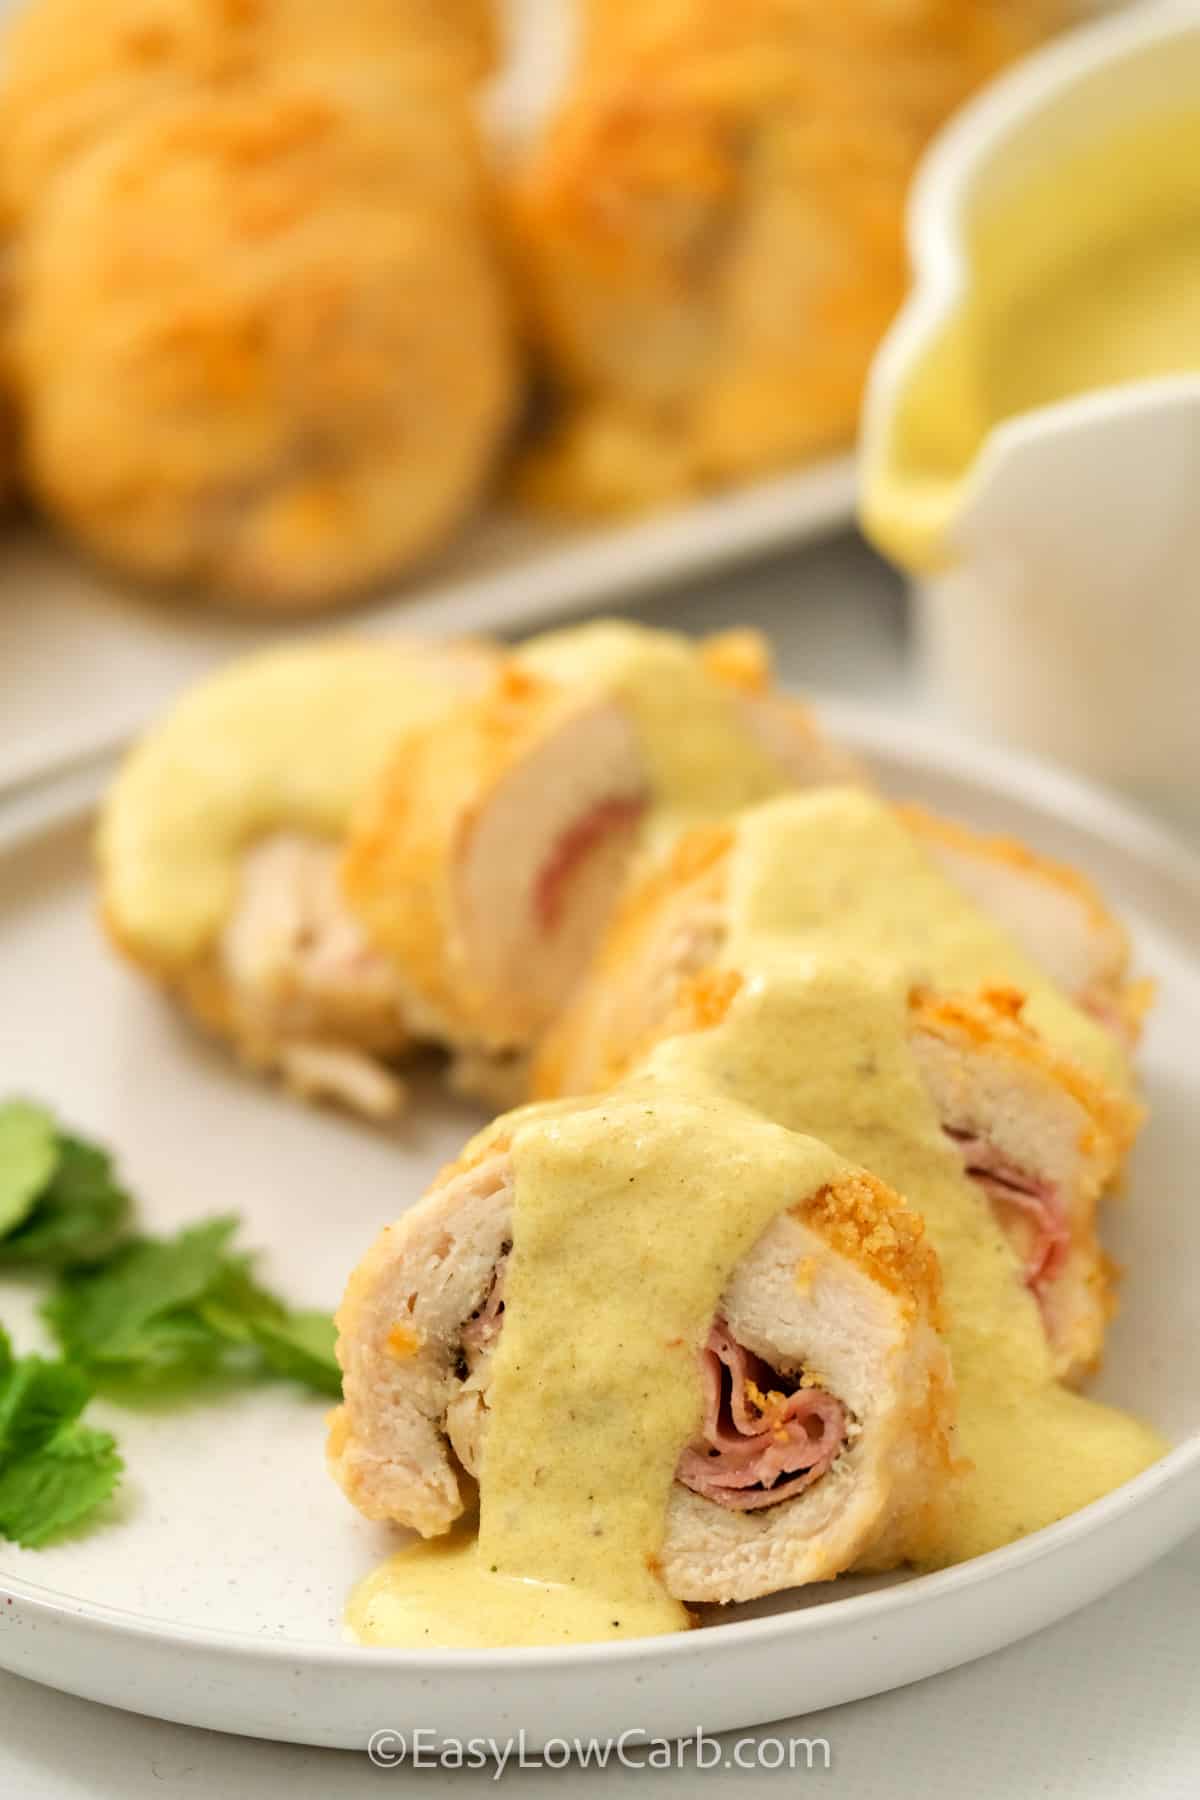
1106, 1704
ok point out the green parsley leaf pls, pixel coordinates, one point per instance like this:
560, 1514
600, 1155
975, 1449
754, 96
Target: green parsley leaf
38, 1398
235, 1302
297, 1345
53, 1470
300, 1347
58, 1484
182, 1308
28, 1157
79, 1215
134, 1307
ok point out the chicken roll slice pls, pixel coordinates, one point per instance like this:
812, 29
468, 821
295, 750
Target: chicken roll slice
487, 860
218, 855
824, 1401
672, 923
1043, 1138
1053, 910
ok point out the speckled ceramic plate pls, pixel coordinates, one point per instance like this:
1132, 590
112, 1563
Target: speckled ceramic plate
214, 1593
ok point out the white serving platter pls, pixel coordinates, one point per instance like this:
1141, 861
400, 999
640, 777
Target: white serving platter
213, 1595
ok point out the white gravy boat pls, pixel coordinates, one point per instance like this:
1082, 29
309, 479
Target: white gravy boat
1056, 548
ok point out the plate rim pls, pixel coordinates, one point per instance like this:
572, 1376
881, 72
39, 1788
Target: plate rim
1013, 775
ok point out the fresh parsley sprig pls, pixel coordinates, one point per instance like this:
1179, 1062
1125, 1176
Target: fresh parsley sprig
128, 1312
60, 1201
187, 1307
54, 1471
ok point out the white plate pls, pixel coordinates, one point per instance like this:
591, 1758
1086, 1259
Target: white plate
214, 1596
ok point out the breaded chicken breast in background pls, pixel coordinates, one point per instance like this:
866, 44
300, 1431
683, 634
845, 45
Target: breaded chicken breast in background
260, 339
709, 234
72, 71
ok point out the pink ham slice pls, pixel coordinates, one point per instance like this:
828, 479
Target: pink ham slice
747, 1455
1014, 1190
618, 815
757, 1446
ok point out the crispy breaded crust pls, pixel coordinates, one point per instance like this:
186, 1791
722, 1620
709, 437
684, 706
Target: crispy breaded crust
274, 404
1110, 995
995, 1016
709, 234
926, 824
740, 658
400, 855
871, 1225
75, 71
593, 1045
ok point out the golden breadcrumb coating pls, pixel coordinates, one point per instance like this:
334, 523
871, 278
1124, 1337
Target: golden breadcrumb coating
929, 825
399, 866
866, 1221
996, 1017
261, 342
662, 974
709, 235
75, 70
1121, 1002
629, 1000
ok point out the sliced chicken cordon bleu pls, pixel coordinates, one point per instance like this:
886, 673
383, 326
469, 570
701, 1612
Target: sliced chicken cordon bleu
1042, 1136
486, 861
1053, 910
218, 855
821, 1399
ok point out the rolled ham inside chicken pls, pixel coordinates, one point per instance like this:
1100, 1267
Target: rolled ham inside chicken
1043, 1143
822, 1399
1042, 1138
488, 860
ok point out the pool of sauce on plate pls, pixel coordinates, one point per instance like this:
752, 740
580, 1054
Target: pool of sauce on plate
630, 1212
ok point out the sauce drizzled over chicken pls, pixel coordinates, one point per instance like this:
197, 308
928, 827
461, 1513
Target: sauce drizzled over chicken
591, 1410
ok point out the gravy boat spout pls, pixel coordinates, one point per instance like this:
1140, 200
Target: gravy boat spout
1031, 446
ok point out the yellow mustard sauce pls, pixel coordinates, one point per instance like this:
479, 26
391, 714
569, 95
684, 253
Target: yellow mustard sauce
1082, 276
838, 869
442, 1595
700, 757
631, 1211
1036, 1450
289, 738
835, 914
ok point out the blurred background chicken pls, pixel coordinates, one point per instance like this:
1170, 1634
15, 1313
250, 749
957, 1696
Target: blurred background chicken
75, 70
260, 289
251, 240
239, 337
710, 231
